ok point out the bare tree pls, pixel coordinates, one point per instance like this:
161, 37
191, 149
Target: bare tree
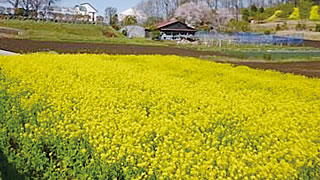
14, 3
110, 12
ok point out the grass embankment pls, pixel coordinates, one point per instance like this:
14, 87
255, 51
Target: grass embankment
50, 31
65, 32
156, 117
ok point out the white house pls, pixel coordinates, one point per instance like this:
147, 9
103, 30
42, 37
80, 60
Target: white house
87, 9
8, 11
139, 15
84, 9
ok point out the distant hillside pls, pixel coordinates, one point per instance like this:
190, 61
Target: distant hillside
261, 13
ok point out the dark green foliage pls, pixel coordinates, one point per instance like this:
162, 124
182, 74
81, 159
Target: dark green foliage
278, 28
305, 8
254, 8
129, 20
155, 34
245, 14
261, 10
301, 27
267, 32
281, 27
260, 17
286, 9
318, 28
238, 26
124, 32
310, 172
267, 56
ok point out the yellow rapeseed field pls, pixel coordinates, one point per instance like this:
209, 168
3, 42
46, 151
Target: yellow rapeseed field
167, 117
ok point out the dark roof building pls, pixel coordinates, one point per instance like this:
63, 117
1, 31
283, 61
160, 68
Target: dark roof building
175, 30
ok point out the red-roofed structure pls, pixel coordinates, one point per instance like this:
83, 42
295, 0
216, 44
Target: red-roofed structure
165, 23
175, 30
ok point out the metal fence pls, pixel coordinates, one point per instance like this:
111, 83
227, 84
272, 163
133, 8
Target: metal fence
214, 38
252, 38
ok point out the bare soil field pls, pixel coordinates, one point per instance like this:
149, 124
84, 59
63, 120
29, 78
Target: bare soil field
30, 46
310, 69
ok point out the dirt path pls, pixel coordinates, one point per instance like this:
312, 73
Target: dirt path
310, 69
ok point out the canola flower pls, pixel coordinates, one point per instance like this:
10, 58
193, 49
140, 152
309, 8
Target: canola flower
173, 117
295, 15
314, 13
275, 16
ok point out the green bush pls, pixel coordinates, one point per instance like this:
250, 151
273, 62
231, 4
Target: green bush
254, 8
267, 32
124, 32
278, 28
245, 14
267, 56
19, 12
260, 17
318, 28
301, 27
238, 26
277, 14
155, 34
286, 9
261, 10
281, 27
305, 7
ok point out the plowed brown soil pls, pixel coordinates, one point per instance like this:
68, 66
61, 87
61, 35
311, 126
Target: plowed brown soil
29, 46
310, 69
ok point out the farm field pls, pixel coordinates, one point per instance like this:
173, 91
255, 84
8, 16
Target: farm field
156, 117
300, 61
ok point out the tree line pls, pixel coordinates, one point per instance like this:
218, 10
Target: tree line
28, 5
166, 8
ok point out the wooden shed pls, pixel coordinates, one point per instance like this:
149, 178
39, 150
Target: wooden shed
175, 30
